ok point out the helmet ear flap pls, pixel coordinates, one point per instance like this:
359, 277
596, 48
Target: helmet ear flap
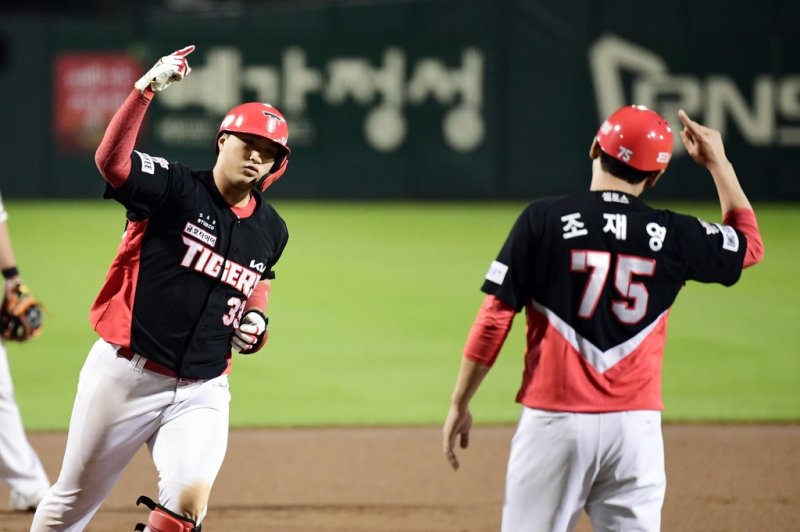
271, 177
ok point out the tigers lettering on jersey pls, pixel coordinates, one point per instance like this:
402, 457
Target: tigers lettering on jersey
204, 260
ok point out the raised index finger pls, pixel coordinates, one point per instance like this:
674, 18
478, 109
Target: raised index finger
183, 52
687, 122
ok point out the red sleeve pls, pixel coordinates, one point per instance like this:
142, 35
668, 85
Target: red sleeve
113, 156
260, 296
745, 221
489, 331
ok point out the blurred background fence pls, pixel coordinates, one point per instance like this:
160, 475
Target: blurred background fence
405, 99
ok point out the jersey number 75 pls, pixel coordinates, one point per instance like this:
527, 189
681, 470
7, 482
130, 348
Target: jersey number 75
632, 306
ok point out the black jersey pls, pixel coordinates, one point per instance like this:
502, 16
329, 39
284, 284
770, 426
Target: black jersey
185, 267
598, 272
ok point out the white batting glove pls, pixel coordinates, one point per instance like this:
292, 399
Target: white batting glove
168, 69
251, 334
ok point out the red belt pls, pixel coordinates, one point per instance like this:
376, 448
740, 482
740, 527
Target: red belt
149, 365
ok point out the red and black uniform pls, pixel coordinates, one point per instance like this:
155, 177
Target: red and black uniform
597, 273
195, 259
187, 262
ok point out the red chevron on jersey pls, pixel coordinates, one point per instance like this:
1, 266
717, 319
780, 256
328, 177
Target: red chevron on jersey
204, 260
601, 360
559, 377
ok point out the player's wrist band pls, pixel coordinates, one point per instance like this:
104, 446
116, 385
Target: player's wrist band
10, 272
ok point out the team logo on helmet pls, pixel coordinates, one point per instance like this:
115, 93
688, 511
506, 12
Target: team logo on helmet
262, 120
272, 121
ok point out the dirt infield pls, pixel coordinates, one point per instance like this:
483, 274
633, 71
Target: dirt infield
720, 478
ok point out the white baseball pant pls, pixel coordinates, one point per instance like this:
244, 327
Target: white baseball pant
611, 464
20, 466
118, 408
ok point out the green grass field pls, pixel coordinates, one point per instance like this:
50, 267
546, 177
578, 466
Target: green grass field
371, 307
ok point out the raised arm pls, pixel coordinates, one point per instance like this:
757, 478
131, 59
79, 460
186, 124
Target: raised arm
705, 146
113, 156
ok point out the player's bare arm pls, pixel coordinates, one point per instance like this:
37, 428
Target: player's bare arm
459, 419
7, 259
705, 146
486, 338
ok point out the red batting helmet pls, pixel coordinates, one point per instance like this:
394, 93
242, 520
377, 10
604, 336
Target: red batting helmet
262, 120
638, 137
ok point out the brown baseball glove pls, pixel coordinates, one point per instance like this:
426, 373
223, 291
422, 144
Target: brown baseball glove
20, 313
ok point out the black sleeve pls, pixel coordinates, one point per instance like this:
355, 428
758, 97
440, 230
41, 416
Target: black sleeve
151, 182
714, 253
510, 275
269, 273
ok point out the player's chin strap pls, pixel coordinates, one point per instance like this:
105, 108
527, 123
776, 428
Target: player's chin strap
164, 520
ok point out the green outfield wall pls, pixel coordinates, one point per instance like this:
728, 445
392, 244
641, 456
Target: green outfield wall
416, 99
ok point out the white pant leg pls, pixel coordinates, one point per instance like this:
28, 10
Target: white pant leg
549, 471
117, 408
628, 492
189, 447
20, 466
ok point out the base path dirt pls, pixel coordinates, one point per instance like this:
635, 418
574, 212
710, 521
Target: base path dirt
719, 478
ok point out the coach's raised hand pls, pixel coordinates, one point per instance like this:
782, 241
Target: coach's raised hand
702, 143
705, 146
168, 69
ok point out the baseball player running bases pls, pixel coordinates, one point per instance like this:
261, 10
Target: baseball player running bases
597, 272
190, 282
